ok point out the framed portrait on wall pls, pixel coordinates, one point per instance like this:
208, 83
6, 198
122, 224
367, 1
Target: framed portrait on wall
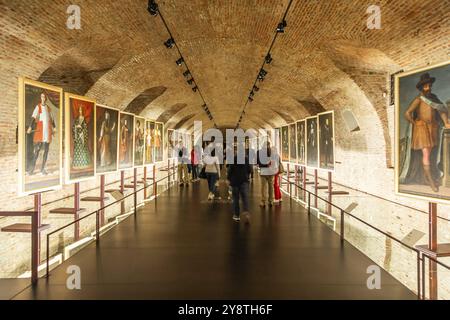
149, 142
158, 141
139, 141
80, 138
107, 133
292, 143
422, 136
326, 140
171, 139
285, 143
39, 137
126, 140
312, 148
301, 142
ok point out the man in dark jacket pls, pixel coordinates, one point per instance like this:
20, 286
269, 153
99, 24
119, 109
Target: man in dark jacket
238, 177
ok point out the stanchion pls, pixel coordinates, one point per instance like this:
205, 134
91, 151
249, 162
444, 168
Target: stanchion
288, 180
330, 189
145, 182
296, 180
76, 208
304, 182
135, 189
316, 182
122, 191
154, 181
432, 246
168, 173
102, 199
36, 238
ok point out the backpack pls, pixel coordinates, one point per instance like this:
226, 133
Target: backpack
180, 153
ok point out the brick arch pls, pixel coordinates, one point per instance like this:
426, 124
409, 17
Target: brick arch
138, 104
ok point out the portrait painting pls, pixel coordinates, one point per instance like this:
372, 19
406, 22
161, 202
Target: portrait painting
171, 139
301, 142
285, 143
126, 140
139, 141
80, 138
326, 140
292, 143
107, 127
312, 148
39, 137
149, 142
422, 167
158, 142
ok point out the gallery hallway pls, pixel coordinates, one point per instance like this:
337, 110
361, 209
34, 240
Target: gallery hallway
184, 247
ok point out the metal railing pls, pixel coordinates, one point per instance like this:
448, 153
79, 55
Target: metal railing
97, 212
421, 256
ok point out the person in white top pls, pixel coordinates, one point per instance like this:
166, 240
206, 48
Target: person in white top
212, 171
268, 162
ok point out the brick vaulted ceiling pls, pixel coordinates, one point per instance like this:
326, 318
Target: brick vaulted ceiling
319, 61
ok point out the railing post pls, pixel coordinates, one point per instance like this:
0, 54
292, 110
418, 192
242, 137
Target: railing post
47, 267
418, 276
154, 179
168, 172
34, 249
342, 226
97, 226
423, 278
135, 191
309, 203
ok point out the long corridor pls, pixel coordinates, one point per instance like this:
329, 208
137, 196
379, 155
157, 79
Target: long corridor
183, 247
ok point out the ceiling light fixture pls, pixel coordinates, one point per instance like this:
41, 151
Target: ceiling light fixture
255, 88
169, 43
195, 89
268, 58
281, 26
180, 62
152, 7
190, 81
186, 73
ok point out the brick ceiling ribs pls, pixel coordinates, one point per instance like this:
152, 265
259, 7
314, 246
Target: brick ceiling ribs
326, 48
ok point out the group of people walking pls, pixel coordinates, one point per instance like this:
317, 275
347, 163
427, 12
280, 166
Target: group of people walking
196, 164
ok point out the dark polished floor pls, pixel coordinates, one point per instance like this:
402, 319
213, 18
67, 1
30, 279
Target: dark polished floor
182, 247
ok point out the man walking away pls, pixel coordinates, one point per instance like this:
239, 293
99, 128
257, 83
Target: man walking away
183, 161
212, 170
238, 177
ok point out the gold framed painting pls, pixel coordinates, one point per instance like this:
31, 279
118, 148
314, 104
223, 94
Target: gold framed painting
285, 143
126, 140
149, 141
159, 142
80, 138
301, 142
139, 141
326, 140
292, 143
39, 137
422, 133
312, 148
171, 138
107, 135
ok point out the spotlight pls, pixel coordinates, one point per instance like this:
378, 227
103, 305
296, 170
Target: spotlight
262, 74
281, 26
180, 62
152, 7
195, 89
250, 99
252, 93
190, 81
186, 73
205, 107
169, 43
268, 58
255, 88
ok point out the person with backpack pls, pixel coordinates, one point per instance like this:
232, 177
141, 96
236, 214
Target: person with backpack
268, 163
238, 178
183, 160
